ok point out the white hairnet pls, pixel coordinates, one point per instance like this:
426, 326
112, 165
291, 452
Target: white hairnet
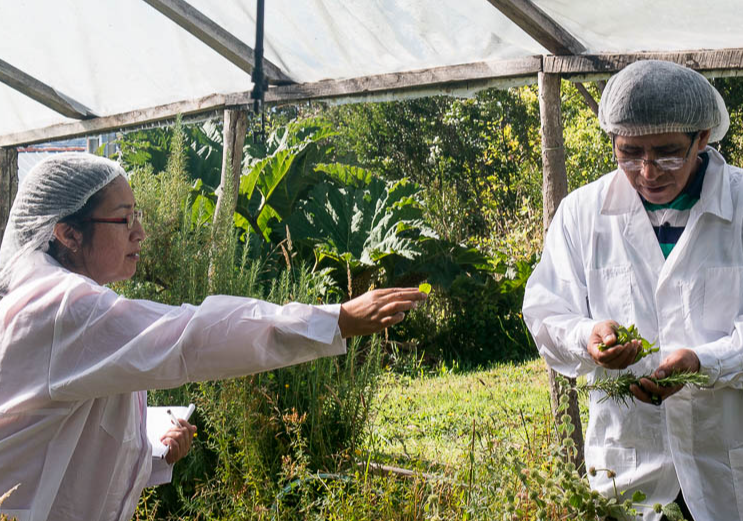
54, 189
656, 97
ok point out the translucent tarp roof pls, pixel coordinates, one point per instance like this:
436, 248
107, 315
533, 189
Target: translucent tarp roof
118, 56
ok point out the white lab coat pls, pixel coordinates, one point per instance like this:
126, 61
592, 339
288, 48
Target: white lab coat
602, 261
74, 360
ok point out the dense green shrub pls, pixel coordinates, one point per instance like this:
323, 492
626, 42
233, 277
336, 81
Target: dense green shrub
475, 322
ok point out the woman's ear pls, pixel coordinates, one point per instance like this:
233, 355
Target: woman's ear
68, 236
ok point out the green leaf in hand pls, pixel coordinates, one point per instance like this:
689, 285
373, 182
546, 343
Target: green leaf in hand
425, 288
627, 334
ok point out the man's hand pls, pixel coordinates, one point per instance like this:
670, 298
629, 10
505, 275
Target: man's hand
683, 360
178, 439
376, 310
615, 356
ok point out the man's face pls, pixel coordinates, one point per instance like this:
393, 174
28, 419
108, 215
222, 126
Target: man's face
651, 182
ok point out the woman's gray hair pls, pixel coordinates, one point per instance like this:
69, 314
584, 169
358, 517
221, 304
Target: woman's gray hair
54, 189
657, 97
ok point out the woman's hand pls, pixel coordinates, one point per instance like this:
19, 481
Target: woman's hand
376, 310
178, 439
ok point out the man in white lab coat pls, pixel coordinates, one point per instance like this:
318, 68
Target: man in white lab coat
657, 243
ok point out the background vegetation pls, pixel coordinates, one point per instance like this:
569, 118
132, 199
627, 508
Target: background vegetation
339, 200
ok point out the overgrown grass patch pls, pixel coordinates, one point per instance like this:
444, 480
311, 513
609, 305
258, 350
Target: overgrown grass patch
428, 421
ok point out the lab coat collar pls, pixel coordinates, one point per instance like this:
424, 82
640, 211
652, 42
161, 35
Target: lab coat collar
715, 198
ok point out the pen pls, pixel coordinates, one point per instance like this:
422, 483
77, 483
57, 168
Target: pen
173, 418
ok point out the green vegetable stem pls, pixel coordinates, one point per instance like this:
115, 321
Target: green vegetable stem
618, 389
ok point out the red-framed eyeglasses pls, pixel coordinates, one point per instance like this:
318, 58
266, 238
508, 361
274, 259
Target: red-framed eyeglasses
129, 220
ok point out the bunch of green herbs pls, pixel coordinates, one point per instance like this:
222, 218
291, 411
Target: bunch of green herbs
618, 388
627, 334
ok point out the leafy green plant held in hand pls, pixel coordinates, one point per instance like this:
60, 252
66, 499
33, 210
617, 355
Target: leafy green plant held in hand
627, 334
425, 288
618, 389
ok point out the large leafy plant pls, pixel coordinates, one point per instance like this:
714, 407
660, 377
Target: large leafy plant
362, 228
201, 144
273, 183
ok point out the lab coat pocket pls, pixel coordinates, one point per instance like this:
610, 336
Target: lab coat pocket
610, 294
721, 298
736, 464
621, 460
117, 418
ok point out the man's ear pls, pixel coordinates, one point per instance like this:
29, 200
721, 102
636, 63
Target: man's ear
70, 238
703, 139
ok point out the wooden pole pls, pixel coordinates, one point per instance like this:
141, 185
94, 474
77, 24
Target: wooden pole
235, 130
588, 98
554, 189
8, 185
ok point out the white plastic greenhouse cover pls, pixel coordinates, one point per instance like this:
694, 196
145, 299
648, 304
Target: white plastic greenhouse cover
118, 56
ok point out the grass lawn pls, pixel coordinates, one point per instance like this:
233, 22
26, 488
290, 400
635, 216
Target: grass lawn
427, 422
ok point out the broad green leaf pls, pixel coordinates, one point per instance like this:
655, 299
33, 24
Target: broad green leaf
264, 218
425, 288
346, 175
202, 210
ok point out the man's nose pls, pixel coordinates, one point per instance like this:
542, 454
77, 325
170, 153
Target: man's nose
649, 169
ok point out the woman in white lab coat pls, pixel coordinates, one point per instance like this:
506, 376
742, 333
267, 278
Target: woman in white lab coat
76, 358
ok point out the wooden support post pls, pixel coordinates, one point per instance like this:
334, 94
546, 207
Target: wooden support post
554, 189
8, 185
555, 177
235, 130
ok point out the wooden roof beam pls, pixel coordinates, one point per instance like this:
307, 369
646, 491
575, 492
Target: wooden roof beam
470, 75
606, 64
216, 37
116, 122
540, 26
43, 93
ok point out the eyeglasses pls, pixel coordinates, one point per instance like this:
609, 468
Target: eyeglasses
666, 164
129, 220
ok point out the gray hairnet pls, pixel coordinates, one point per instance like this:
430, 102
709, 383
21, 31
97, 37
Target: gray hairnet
54, 189
656, 97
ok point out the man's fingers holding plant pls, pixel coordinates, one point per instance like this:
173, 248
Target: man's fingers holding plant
680, 361
603, 347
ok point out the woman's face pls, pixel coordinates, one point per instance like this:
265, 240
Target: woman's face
113, 252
